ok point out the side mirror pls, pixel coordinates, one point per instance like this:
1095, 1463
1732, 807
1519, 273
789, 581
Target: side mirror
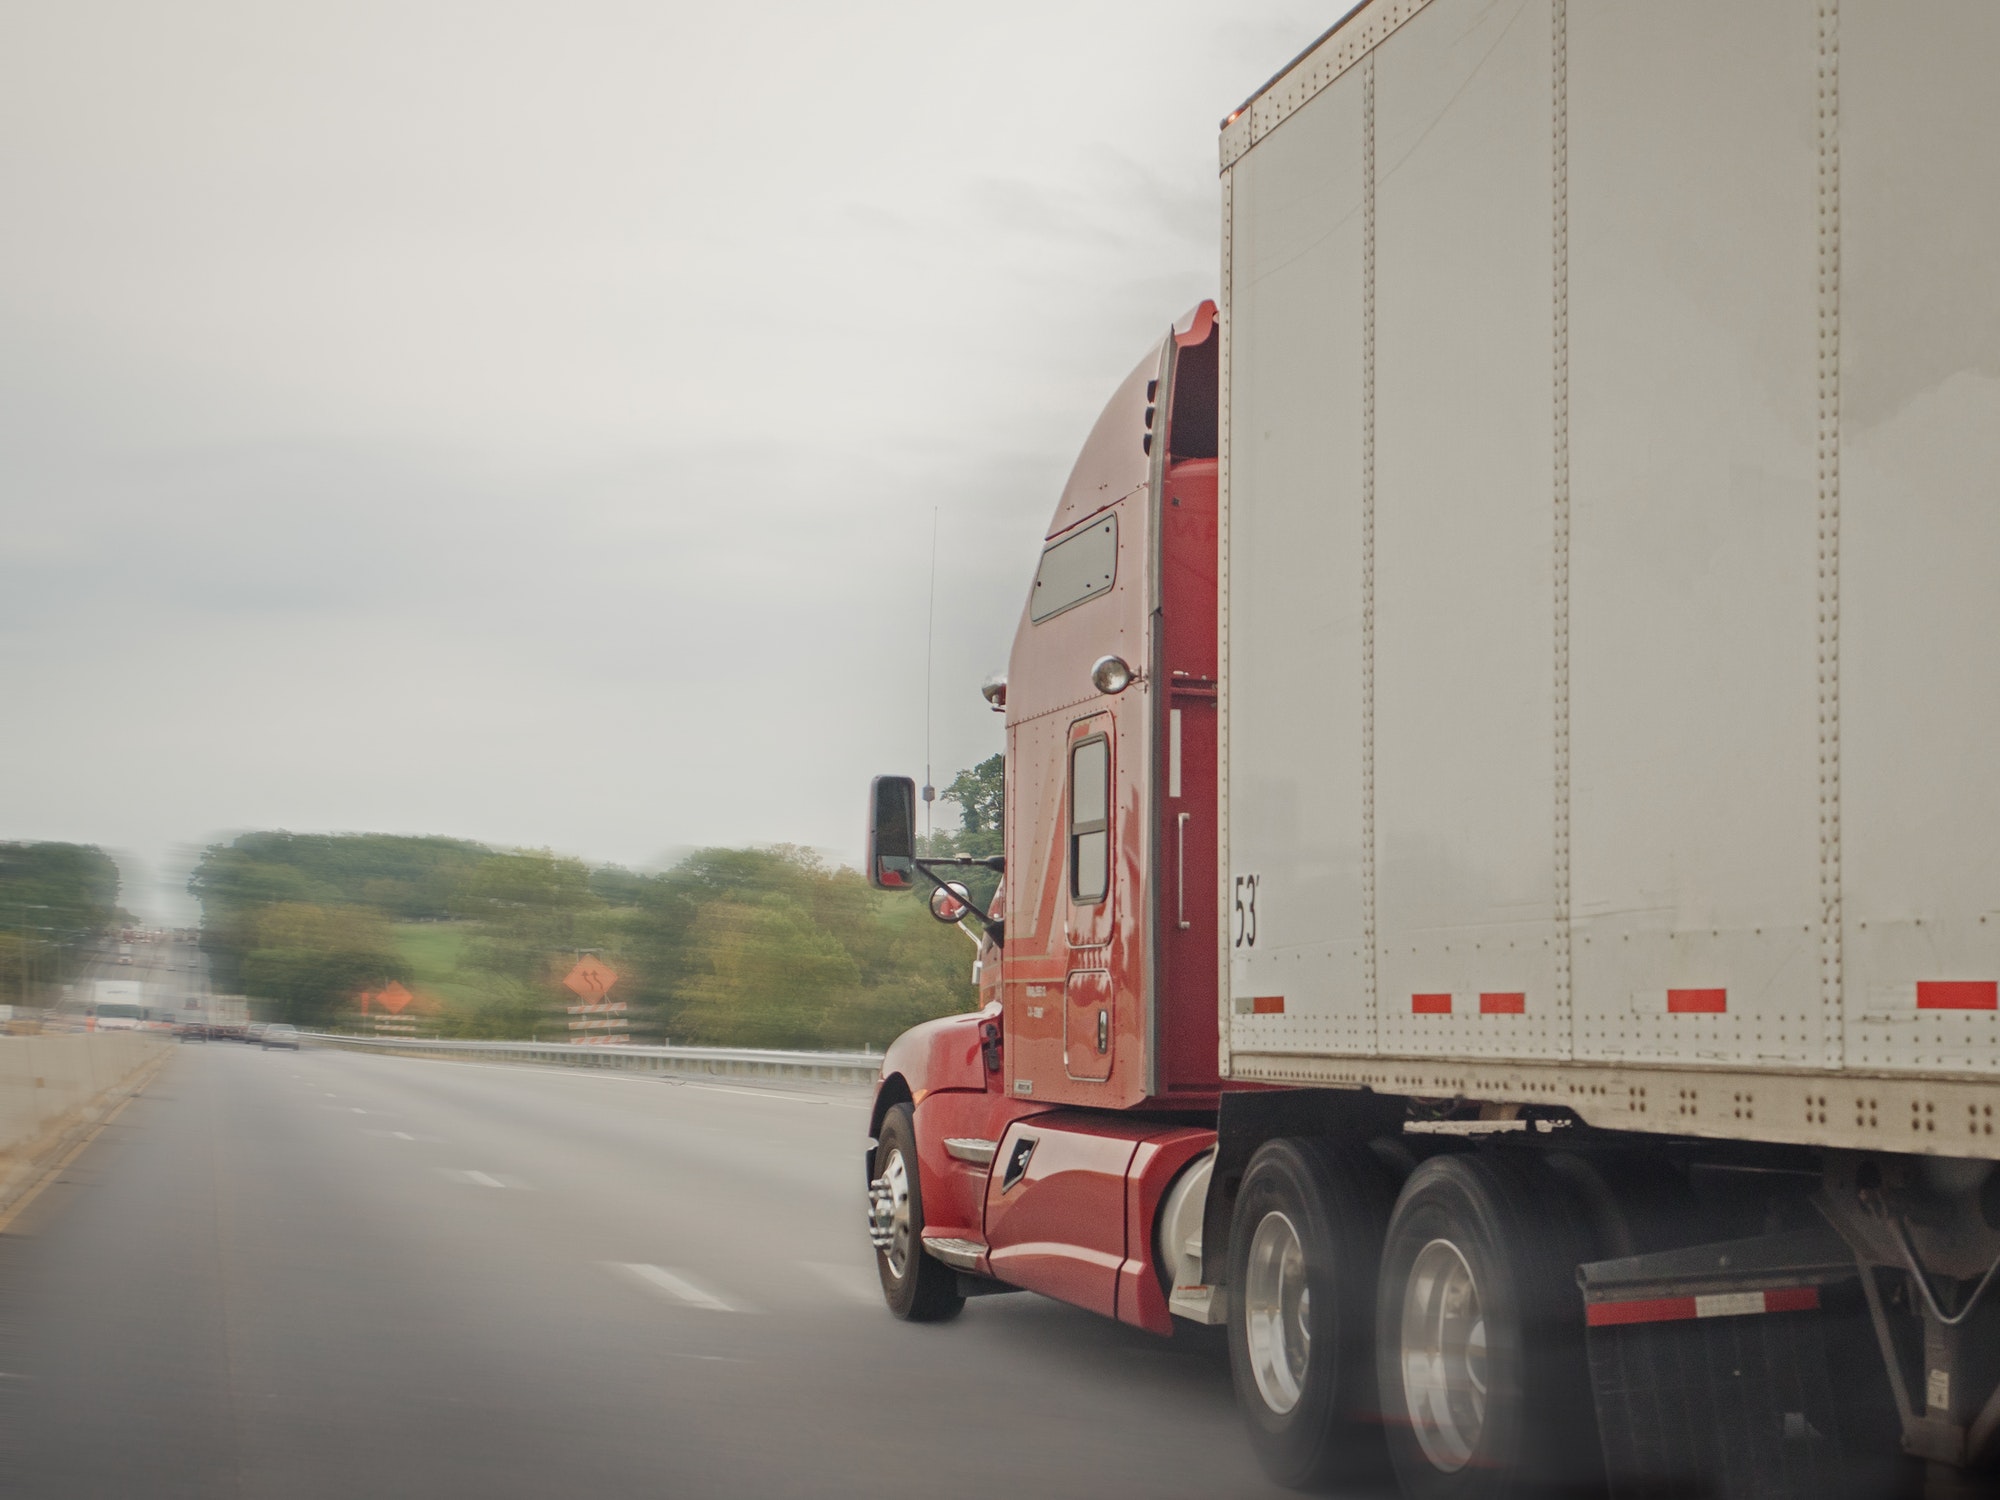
892, 833
950, 903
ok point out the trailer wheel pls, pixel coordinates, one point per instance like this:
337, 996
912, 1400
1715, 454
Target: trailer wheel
917, 1288
1479, 1333
1303, 1249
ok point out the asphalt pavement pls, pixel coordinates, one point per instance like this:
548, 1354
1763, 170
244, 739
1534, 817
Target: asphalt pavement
329, 1274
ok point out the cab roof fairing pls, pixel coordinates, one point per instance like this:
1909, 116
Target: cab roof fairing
1113, 464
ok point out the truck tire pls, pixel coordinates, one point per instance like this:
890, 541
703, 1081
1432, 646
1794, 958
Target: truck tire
918, 1288
1479, 1333
1304, 1244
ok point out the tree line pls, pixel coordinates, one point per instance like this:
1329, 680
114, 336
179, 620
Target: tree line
769, 947
55, 901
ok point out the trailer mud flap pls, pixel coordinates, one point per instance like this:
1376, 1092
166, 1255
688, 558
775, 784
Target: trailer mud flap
1744, 1370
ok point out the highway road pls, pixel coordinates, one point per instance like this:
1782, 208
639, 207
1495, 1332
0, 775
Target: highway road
326, 1274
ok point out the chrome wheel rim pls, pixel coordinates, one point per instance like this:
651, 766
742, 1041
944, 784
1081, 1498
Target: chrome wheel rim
1277, 1312
889, 1214
1444, 1356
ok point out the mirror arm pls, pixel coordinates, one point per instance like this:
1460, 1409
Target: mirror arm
994, 929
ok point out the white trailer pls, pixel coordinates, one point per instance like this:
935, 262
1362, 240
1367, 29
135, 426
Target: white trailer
1610, 498
117, 1005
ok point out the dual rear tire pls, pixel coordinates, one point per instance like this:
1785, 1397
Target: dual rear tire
1307, 1235
1437, 1331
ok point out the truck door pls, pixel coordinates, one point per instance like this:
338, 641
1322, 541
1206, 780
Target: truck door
1090, 1018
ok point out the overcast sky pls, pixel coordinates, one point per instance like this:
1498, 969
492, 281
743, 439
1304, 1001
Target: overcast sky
524, 421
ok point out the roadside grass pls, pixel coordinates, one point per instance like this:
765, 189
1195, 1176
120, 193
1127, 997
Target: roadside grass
432, 950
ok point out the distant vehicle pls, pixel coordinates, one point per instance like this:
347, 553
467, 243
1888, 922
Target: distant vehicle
125, 958
228, 1017
255, 1031
117, 1005
191, 1031
278, 1034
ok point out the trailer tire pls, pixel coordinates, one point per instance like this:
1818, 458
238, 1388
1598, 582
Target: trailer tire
1479, 1333
1305, 1242
917, 1287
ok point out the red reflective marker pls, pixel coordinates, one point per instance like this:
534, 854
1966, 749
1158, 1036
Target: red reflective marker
1697, 1002
1958, 994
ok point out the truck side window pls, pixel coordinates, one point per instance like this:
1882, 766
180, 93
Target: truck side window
1089, 820
1076, 568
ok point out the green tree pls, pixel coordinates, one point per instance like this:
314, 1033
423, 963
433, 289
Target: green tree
980, 793
311, 963
54, 899
762, 973
763, 947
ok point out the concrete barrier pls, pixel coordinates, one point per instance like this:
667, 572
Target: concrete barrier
55, 1089
738, 1062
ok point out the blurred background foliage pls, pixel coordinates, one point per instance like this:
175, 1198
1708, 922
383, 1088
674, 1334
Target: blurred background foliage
769, 947
55, 900
979, 793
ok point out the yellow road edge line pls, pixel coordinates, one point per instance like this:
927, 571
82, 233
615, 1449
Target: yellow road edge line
148, 1072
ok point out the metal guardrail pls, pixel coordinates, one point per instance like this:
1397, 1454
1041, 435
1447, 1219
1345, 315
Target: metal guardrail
738, 1062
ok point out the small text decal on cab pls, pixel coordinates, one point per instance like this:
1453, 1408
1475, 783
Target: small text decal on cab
1246, 910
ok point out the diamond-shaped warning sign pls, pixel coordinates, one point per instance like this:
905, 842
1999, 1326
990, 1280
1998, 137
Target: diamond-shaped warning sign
393, 997
591, 979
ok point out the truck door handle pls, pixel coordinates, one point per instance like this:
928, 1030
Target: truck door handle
1180, 875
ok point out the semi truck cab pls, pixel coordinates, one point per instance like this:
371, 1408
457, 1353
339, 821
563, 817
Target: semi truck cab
1007, 1144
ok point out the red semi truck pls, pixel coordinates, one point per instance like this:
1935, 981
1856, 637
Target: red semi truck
1500, 901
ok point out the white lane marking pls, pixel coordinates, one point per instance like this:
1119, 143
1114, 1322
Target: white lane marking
402, 1135
477, 1179
678, 1287
851, 1282
357, 1109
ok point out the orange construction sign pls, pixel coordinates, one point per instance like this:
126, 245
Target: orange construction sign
393, 997
591, 979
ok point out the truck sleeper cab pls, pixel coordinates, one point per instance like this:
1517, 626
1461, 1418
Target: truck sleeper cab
1009, 1151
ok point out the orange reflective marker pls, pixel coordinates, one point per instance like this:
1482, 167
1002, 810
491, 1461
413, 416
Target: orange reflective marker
393, 997
591, 979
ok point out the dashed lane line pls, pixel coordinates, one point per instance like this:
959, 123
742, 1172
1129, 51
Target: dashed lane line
676, 1285
477, 1179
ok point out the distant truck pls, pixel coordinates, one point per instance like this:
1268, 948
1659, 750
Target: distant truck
117, 1005
221, 1017
1501, 904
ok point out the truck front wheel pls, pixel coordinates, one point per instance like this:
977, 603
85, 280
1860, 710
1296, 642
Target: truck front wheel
1303, 1248
1479, 1333
917, 1288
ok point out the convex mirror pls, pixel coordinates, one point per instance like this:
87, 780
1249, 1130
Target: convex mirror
950, 902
